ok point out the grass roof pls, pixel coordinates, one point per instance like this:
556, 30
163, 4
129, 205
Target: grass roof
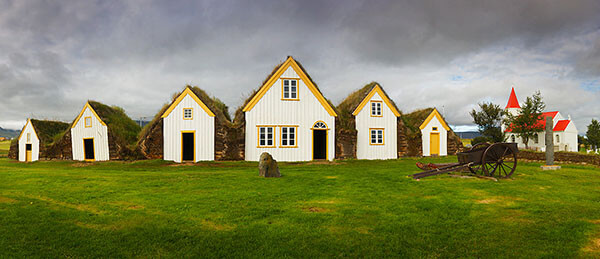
120, 125
49, 131
350, 103
218, 107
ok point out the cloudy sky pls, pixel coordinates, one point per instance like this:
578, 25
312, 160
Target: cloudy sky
55, 55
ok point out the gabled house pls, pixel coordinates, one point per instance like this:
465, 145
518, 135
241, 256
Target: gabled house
36, 138
101, 132
434, 135
193, 127
289, 117
372, 120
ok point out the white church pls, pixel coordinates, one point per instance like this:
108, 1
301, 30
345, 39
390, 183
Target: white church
564, 130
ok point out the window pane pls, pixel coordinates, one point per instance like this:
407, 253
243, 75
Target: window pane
270, 142
284, 142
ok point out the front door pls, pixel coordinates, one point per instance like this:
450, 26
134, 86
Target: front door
27, 152
319, 144
88, 149
187, 146
434, 144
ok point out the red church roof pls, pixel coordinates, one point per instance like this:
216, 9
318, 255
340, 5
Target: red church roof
561, 125
542, 122
512, 100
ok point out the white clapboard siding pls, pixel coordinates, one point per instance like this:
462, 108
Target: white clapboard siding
388, 121
33, 140
427, 130
304, 113
98, 131
203, 125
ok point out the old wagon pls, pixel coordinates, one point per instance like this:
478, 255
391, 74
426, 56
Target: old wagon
496, 160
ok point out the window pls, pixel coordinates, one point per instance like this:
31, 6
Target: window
288, 136
290, 89
265, 137
319, 125
28, 137
434, 128
376, 136
557, 139
88, 122
376, 109
188, 113
513, 139
536, 139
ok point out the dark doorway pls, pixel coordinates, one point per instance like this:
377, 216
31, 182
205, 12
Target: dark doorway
319, 144
88, 149
187, 146
27, 147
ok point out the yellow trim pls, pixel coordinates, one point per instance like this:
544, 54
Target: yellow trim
188, 131
380, 109
376, 89
290, 62
382, 136
434, 128
87, 105
258, 135
23, 130
281, 134
434, 113
184, 113
85, 121
93, 146
29, 155
191, 93
297, 88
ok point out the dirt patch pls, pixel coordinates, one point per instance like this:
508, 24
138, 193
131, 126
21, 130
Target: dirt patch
593, 246
331, 177
316, 209
82, 164
80, 207
487, 201
504, 200
201, 164
595, 221
324, 163
7, 200
209, 224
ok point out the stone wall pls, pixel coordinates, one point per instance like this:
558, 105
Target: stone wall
568, 157
345, 144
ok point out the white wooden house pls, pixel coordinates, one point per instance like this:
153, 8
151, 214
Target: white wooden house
89, 136
29, 143
188, 129
376, 120
289, 118
434, 135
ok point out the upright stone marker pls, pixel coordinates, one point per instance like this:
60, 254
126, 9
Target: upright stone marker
267, 166
549, 146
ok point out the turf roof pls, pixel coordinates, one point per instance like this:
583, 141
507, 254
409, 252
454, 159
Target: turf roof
49, 131
120, 125
348, 105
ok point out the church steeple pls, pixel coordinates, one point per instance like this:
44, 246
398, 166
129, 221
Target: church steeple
512, 100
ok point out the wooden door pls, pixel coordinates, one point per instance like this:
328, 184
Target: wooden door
434, 144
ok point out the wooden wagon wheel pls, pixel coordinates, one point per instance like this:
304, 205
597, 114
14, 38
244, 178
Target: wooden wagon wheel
499, 161
477, 169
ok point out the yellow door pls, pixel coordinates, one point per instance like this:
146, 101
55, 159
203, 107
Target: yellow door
434, 144
28, 156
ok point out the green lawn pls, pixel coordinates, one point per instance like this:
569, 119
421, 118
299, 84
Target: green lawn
341, 209
4, 146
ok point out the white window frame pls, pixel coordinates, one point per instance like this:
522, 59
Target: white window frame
376, 109
285, 141
191, 113
376, 136
264, 137
289, 91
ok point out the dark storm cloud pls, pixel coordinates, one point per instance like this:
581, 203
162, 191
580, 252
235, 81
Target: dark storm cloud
54, 55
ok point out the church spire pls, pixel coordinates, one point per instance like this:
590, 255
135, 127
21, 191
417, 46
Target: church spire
512, 100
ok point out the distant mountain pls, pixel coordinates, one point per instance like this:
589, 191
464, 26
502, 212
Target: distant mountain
8, 133
468, 134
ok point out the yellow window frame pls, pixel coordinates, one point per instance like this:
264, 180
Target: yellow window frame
190, 118
297, 89
85, 121
258, 136
281, 136
380, 108
371, 137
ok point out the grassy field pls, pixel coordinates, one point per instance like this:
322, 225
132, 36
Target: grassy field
347, 208
4, 146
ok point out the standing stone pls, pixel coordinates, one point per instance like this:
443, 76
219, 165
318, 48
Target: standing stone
549, 142
267, 166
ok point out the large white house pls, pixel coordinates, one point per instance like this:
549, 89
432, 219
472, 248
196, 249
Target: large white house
564, 130
289, 118
29, 143
434, 135
376, 126
188, 129
89, 136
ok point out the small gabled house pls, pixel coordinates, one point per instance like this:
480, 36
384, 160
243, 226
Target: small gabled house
35, 139
372, 120
434, 135
289, 117
193, 127
102, 132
